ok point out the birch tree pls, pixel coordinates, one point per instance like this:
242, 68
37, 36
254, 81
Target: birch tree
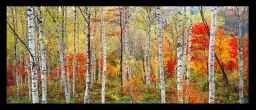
155, 51
211, 56
122, 48
43, 75
93, 50
74, 65
189, 50
179, 58
104, 56
88, 74
160, 39
100, 55
127, 41
185, 39
67, 63
240, 58
189, 45
32, 49
14, 20
148, 45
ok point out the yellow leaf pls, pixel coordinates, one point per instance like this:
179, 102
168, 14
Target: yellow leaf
45, 41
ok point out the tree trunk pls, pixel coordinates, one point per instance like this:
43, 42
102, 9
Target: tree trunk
240, 59
16, 52
160, 38
93, 51
48, 62
211, 57
104, 56
100, 55
43, 74
74, 65
122, 50
148, 38
179, 58
185, 41
32, 60
189, 53
127, 42
155, 46
88, 74
67, 63
145, 62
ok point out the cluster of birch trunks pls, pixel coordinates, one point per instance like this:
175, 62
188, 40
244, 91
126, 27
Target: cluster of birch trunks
124, 15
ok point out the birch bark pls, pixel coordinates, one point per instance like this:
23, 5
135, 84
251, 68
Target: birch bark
211, 56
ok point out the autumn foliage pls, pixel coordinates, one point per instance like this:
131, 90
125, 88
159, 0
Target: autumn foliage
225, 49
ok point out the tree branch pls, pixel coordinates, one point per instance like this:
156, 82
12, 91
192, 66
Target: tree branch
83, 14
22, 42
50, 14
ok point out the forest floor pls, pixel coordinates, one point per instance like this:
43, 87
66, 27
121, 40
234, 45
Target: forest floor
112, 94
142, 94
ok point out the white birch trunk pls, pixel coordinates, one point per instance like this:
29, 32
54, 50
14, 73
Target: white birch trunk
32, 59
189, 46
189, 51
211, 56
100, 55
148, 45
160, 38
93, 51
179, 58
185, 41
124, 52
240, 59
155, 46
88, 74
104, 56
127, 42
67, 63
74, 65
43, 74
